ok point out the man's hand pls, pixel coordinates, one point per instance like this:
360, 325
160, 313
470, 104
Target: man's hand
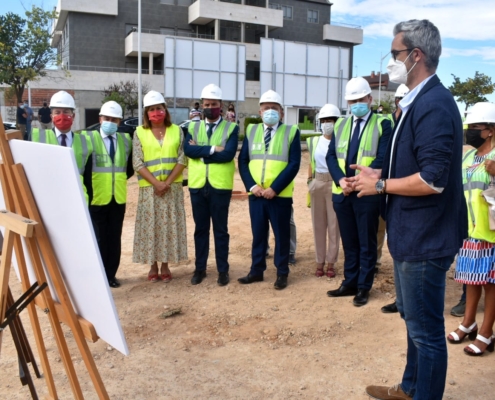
257, 191
218, 149
269, 193
364, 182
346, 186
192, 142
490, 167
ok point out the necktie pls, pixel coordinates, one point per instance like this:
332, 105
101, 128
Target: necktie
63, 142
268, 137
353, 149
112, 148
210, 130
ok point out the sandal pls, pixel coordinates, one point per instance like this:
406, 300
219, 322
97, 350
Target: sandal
330, 271
454, 338
473, 350
153, 278
166, 277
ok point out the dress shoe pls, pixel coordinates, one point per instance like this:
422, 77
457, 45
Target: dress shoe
281, 282
223, 278
361, 298
387, 393
198, 277
390, 308
250, 279
292, 259
459, 309
114, 283
342, 291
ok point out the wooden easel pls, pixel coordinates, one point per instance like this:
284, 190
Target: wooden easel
19, 200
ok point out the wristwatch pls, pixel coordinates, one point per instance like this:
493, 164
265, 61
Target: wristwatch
380, 186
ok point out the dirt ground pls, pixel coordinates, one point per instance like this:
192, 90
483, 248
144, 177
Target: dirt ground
249, 341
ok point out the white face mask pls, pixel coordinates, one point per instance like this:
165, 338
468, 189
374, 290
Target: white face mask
327, 128
397, 71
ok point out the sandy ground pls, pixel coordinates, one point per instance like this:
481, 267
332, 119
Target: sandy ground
249, 342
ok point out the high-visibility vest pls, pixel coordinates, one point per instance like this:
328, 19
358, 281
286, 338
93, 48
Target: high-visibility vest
368, 143
159, 160
81, 145
109, 178
474, 183
266, 166
220, 176
312, 144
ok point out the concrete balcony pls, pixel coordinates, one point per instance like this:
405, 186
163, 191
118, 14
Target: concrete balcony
107, 7
344, 34
202, 12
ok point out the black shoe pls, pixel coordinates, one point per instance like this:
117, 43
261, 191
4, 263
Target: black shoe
459, 309
375, 271
198, 277
114, 283
281, 282
223, 278
361, 298
250, 279
390, 308
342, 291
292, 259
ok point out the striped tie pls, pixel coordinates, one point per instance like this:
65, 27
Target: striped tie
268, 137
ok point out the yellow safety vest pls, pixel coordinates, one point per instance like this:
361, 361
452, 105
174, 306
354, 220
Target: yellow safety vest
109, 179
266, 166
474, 183
159, 160
81, 145
220, 176
368, 144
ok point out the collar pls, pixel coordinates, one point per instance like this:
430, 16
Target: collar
364, 117
207, 121
409, 98
58, 133
104, 135
274, 127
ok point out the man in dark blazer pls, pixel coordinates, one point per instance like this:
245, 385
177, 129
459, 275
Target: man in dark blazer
361, 138
423, 204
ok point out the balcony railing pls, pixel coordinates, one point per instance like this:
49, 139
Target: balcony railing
182, 34
111, 69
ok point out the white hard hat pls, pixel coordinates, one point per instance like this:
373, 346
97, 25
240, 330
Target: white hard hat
152, 98
481, 113
271, 97
62, 99
211, 91
111, 109
401, 91
328, 111
357, 88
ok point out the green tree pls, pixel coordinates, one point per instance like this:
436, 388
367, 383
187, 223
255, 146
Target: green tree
25, 50
388, 103
126, 94
472, 90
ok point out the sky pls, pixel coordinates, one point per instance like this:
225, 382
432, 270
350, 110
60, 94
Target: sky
467, 29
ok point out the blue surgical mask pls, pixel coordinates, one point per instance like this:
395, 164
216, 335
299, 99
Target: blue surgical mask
108, 128
271, 117
360, 109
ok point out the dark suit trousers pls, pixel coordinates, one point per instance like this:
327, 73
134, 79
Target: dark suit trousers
212, 204
277, 212
107, 223
358, 223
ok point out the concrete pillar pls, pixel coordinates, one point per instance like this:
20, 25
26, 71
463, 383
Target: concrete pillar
150, 67
243, 35
217, 29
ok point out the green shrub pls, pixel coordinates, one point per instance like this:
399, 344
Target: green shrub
251, 120
305, 136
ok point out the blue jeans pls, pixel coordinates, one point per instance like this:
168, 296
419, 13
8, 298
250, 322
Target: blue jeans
420, 288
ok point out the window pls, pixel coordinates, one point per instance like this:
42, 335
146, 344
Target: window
253, 33
230, 31
288, 12
255, 3
313, 16
252, 70
275, 6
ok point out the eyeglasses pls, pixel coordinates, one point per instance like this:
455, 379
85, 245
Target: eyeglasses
266, 108
395, 53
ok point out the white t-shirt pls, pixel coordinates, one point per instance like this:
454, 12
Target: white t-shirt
320, 154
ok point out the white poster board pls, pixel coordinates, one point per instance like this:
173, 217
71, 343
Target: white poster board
306, 75
191, 64
54, 180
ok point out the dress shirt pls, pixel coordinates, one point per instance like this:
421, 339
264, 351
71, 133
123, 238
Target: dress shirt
364, 121
106, 140
274, 129
207, 122
405, 104
69, 135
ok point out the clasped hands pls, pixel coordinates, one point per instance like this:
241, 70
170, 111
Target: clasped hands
161, 188
268, 194
363, 183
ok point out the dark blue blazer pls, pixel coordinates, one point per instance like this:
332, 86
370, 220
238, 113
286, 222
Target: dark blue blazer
429, 141
333, 164
285, 177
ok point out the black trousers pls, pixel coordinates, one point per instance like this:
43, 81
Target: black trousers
107, 223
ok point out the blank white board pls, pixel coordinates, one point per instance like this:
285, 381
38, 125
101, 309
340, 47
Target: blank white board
54, 180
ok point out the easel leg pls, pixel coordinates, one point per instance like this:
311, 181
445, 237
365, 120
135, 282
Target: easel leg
4, 274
